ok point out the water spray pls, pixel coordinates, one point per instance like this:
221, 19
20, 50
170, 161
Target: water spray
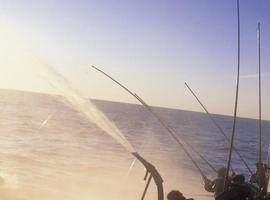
93, 114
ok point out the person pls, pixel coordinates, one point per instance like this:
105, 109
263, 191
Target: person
260, 178
217, 184
240, 188
237, 190
176, 195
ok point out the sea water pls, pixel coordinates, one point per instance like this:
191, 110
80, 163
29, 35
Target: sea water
50, 151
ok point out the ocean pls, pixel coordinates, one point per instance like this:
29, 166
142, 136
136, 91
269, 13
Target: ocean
50, 151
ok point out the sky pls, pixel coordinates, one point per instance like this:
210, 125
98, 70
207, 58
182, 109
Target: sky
152, 47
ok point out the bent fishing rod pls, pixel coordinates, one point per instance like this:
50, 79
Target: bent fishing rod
173, 132
218, 127
164, 124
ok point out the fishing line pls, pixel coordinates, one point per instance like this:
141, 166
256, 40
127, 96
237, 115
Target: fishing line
219, 128
173, 132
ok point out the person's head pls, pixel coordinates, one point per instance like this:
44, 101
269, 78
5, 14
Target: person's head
222, 172
239, 178
175, 195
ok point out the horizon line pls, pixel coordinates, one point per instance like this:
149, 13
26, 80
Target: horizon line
125, 102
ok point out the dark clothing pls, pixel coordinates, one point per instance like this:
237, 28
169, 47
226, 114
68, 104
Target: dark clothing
215, 186
260, 177
241, 191
237, 191
261, 180
176, 195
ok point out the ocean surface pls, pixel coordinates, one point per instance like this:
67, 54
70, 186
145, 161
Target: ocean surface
50, 151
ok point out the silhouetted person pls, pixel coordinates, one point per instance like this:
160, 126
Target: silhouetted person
260, 178
217, 184
238, 190
176, 195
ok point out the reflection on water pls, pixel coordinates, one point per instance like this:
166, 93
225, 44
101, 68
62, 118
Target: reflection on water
49, 151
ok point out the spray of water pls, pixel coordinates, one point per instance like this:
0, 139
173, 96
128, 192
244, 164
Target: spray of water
84, 106
16, 59
15, 49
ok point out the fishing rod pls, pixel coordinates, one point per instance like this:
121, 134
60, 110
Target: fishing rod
260, 170
260, 96
165, 125
226, 182
219, 128
169, 128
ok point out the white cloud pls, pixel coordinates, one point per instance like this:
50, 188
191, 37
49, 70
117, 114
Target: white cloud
248, 76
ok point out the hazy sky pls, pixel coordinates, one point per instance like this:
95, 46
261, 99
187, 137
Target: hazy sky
152, 46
